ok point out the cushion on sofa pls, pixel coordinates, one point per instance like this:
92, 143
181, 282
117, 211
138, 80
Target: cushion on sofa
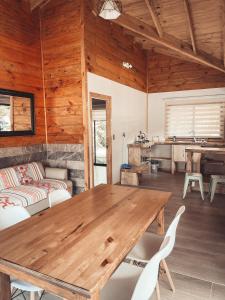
28, 173
23, 195
49, 184
8, 178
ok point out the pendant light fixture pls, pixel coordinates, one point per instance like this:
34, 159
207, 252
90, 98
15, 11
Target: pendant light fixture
109, 9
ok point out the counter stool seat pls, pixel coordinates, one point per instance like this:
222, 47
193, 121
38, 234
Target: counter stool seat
190, 177
214, 179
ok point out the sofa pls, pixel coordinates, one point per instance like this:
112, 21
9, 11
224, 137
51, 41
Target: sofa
29, 185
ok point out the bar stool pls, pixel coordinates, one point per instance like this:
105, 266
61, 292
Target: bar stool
190, 177
214, 179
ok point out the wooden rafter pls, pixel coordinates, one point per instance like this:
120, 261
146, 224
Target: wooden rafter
190, 24
155, 18
142, 29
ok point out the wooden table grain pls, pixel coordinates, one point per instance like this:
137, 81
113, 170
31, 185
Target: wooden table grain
72, 249
203, 150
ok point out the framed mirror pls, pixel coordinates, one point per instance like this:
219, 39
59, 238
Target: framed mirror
16, 113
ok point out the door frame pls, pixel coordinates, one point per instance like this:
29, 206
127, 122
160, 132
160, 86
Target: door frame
108, 101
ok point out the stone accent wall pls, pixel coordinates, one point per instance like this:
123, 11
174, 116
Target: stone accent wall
12, 156
70, 156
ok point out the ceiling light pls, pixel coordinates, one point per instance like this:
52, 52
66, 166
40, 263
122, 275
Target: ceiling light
109, 9
127, 65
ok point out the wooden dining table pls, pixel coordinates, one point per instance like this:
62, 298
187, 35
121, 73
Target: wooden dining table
72, 249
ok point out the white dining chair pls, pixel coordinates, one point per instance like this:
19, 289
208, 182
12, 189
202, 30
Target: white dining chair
57, 197
150, 243
9, 217
135, 283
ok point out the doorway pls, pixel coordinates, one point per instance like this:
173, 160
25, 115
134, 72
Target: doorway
100, 139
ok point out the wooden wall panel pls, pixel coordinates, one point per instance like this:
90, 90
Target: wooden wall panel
167, 74
20, 62
107, 47
61, 44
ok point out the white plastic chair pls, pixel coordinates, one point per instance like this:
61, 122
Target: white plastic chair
8, 217
135, 283
58, 196
150, 243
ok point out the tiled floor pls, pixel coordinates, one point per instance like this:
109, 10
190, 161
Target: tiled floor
198, 260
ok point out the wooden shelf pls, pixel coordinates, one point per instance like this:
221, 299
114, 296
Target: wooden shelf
161, 158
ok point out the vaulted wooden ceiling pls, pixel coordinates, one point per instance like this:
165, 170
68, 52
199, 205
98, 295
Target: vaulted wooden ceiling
189, 29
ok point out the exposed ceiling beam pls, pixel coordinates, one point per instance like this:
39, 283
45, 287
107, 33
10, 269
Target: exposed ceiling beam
190, 24
144, 30
155, 18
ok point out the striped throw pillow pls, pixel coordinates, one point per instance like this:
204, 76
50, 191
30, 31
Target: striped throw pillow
28, 173
8, 178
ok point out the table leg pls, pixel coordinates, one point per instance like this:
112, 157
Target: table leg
189, 162
5, 291
160, 221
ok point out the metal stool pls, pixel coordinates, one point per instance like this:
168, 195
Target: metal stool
213, 183
189, 177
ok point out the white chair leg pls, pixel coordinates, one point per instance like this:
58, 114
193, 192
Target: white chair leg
32, 295
213, 190
157, 291
168, 275
186, 182
201, 188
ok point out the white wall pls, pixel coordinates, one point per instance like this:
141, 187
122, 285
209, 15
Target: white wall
156, 106
128, 116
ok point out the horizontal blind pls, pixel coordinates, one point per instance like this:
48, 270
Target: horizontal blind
200, 120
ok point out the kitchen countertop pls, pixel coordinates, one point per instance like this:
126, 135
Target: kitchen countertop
209, 144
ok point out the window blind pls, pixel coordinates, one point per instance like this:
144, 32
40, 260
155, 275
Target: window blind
204, 120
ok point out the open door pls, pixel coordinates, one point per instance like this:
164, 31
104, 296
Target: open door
100, 139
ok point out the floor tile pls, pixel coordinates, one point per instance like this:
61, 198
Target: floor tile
186, 288
218, 292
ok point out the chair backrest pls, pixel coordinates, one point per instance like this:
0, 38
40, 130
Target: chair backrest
171, 231
58, 196
12, 215
148, 279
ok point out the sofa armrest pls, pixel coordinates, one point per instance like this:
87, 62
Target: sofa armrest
56, 173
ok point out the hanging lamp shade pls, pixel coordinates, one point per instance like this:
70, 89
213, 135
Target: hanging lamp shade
109, 9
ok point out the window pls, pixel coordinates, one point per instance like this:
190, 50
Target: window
5, 117
205, 120
99, 129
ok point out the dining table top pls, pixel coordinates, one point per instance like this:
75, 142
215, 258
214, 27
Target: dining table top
74, 247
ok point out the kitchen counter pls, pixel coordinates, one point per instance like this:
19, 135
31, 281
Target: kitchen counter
209, 144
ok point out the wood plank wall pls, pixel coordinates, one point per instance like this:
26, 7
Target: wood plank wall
166, 73
61, 44
20, 62
107, 47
